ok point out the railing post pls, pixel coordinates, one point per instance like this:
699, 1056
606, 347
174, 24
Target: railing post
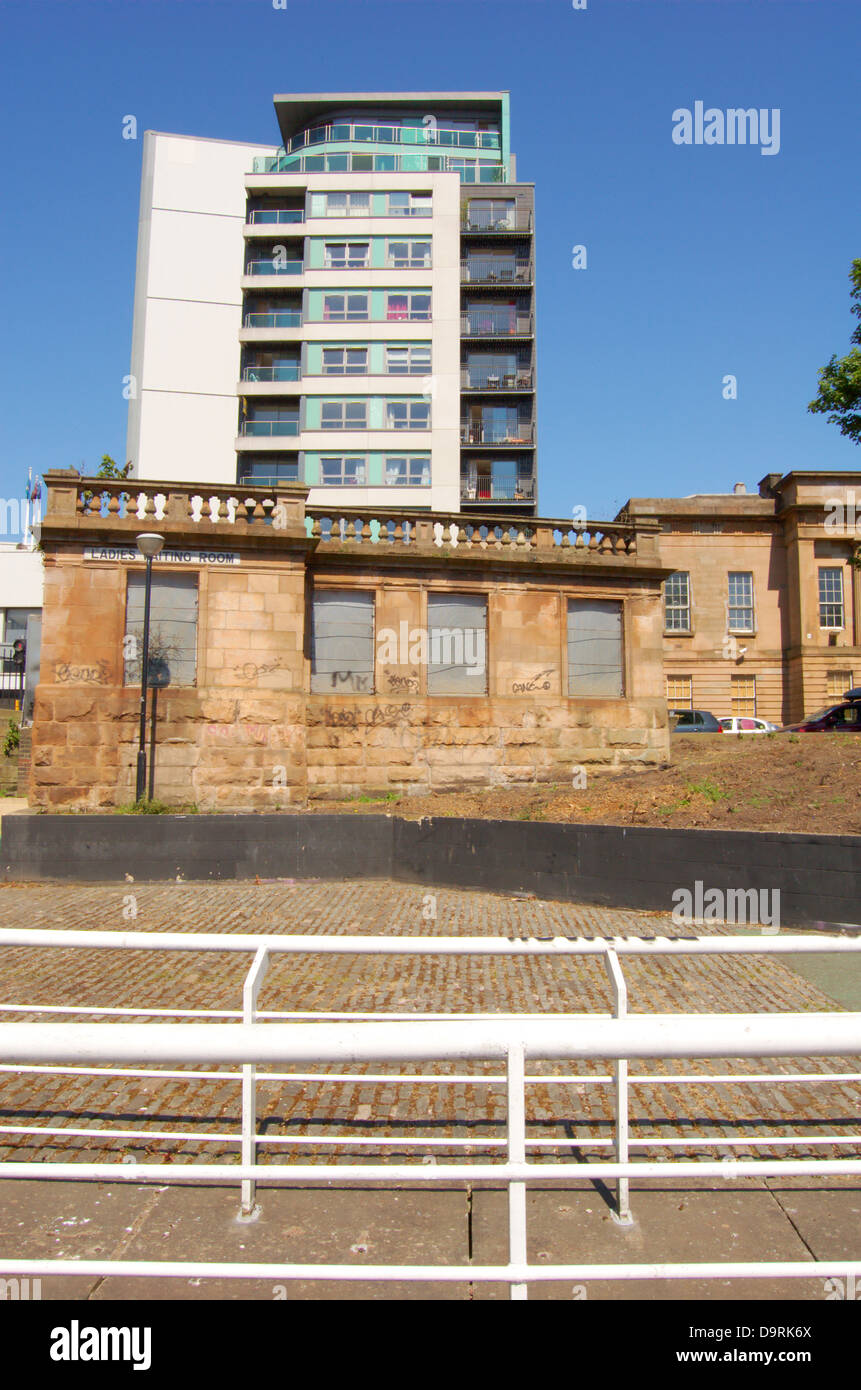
517, 1154
250, 992
622, 1213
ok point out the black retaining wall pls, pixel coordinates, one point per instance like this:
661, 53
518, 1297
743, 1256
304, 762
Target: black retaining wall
819, 876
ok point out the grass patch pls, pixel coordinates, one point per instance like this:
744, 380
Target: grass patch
710, 790
145, 807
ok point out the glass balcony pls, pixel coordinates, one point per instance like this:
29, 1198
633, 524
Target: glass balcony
368, 133
269, 428
496, 432
268, 216
489, 487
495, 220
276, 267
283, 318
471, 171
288, 371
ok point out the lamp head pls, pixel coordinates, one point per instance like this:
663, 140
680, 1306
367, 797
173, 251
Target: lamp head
149, 544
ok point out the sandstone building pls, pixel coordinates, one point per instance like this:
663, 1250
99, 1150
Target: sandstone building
762, 615
313, 653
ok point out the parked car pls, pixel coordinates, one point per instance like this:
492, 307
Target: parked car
693, 721
842, 717
747, 724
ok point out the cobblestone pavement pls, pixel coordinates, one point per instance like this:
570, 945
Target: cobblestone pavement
570, 1114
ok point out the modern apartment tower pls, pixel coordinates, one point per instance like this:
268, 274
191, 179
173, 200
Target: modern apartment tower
354, 309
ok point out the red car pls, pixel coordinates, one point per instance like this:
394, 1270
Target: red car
844, 717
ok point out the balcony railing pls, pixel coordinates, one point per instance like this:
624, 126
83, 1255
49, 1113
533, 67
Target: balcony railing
475, 432
495, 323
486, 379
276, 215
290, 371
478, 220
488, 489
281, 318
495, 271
367, 132
469, 170
269, 428
274, 267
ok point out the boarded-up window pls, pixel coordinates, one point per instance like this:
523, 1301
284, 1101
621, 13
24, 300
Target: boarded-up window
680, 692
743, 697
457, 644
172, 627
838, 682
342, 642
595, 665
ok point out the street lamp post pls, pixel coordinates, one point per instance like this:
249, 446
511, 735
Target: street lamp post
149, 544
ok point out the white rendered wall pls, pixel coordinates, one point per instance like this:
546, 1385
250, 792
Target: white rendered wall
21, 577
187, 311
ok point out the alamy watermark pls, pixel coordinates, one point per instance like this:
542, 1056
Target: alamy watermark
738, 906
735, 126
441, 646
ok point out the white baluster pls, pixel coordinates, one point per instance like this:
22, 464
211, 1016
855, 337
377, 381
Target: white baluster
437, 533
160, 501
196, 504
141, 511
232, 504
454, 532
214, 508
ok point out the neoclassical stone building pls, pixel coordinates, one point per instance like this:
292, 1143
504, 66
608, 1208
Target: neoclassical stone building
312, 654
762, 614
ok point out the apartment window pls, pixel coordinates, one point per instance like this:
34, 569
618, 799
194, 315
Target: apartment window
408, 360
408, 255
346, 255
345, 361
172, 630
680, 692
740, 602
457, 644
837, 683
340, 204
830, 597
677, 602
344, 415
408, 470
337, 470
407, 415
342, 642
341, 308
408, 307
409, 204
743, 695
595, 657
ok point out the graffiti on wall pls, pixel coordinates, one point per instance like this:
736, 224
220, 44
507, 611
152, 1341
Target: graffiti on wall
540, 681
66, 674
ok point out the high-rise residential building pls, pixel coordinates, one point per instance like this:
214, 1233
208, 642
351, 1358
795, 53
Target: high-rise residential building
353, 309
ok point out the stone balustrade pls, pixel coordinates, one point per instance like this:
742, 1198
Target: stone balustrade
115, 506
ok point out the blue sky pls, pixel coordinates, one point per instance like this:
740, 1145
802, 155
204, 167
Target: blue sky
703, 261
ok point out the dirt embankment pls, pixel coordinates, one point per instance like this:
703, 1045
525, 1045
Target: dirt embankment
802, 782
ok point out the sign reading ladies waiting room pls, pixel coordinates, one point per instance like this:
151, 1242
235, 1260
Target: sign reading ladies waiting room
171, 557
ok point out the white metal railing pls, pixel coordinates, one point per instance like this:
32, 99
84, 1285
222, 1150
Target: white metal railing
314, 1038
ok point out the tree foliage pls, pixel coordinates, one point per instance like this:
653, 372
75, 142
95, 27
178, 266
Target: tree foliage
840, 381
109, 468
